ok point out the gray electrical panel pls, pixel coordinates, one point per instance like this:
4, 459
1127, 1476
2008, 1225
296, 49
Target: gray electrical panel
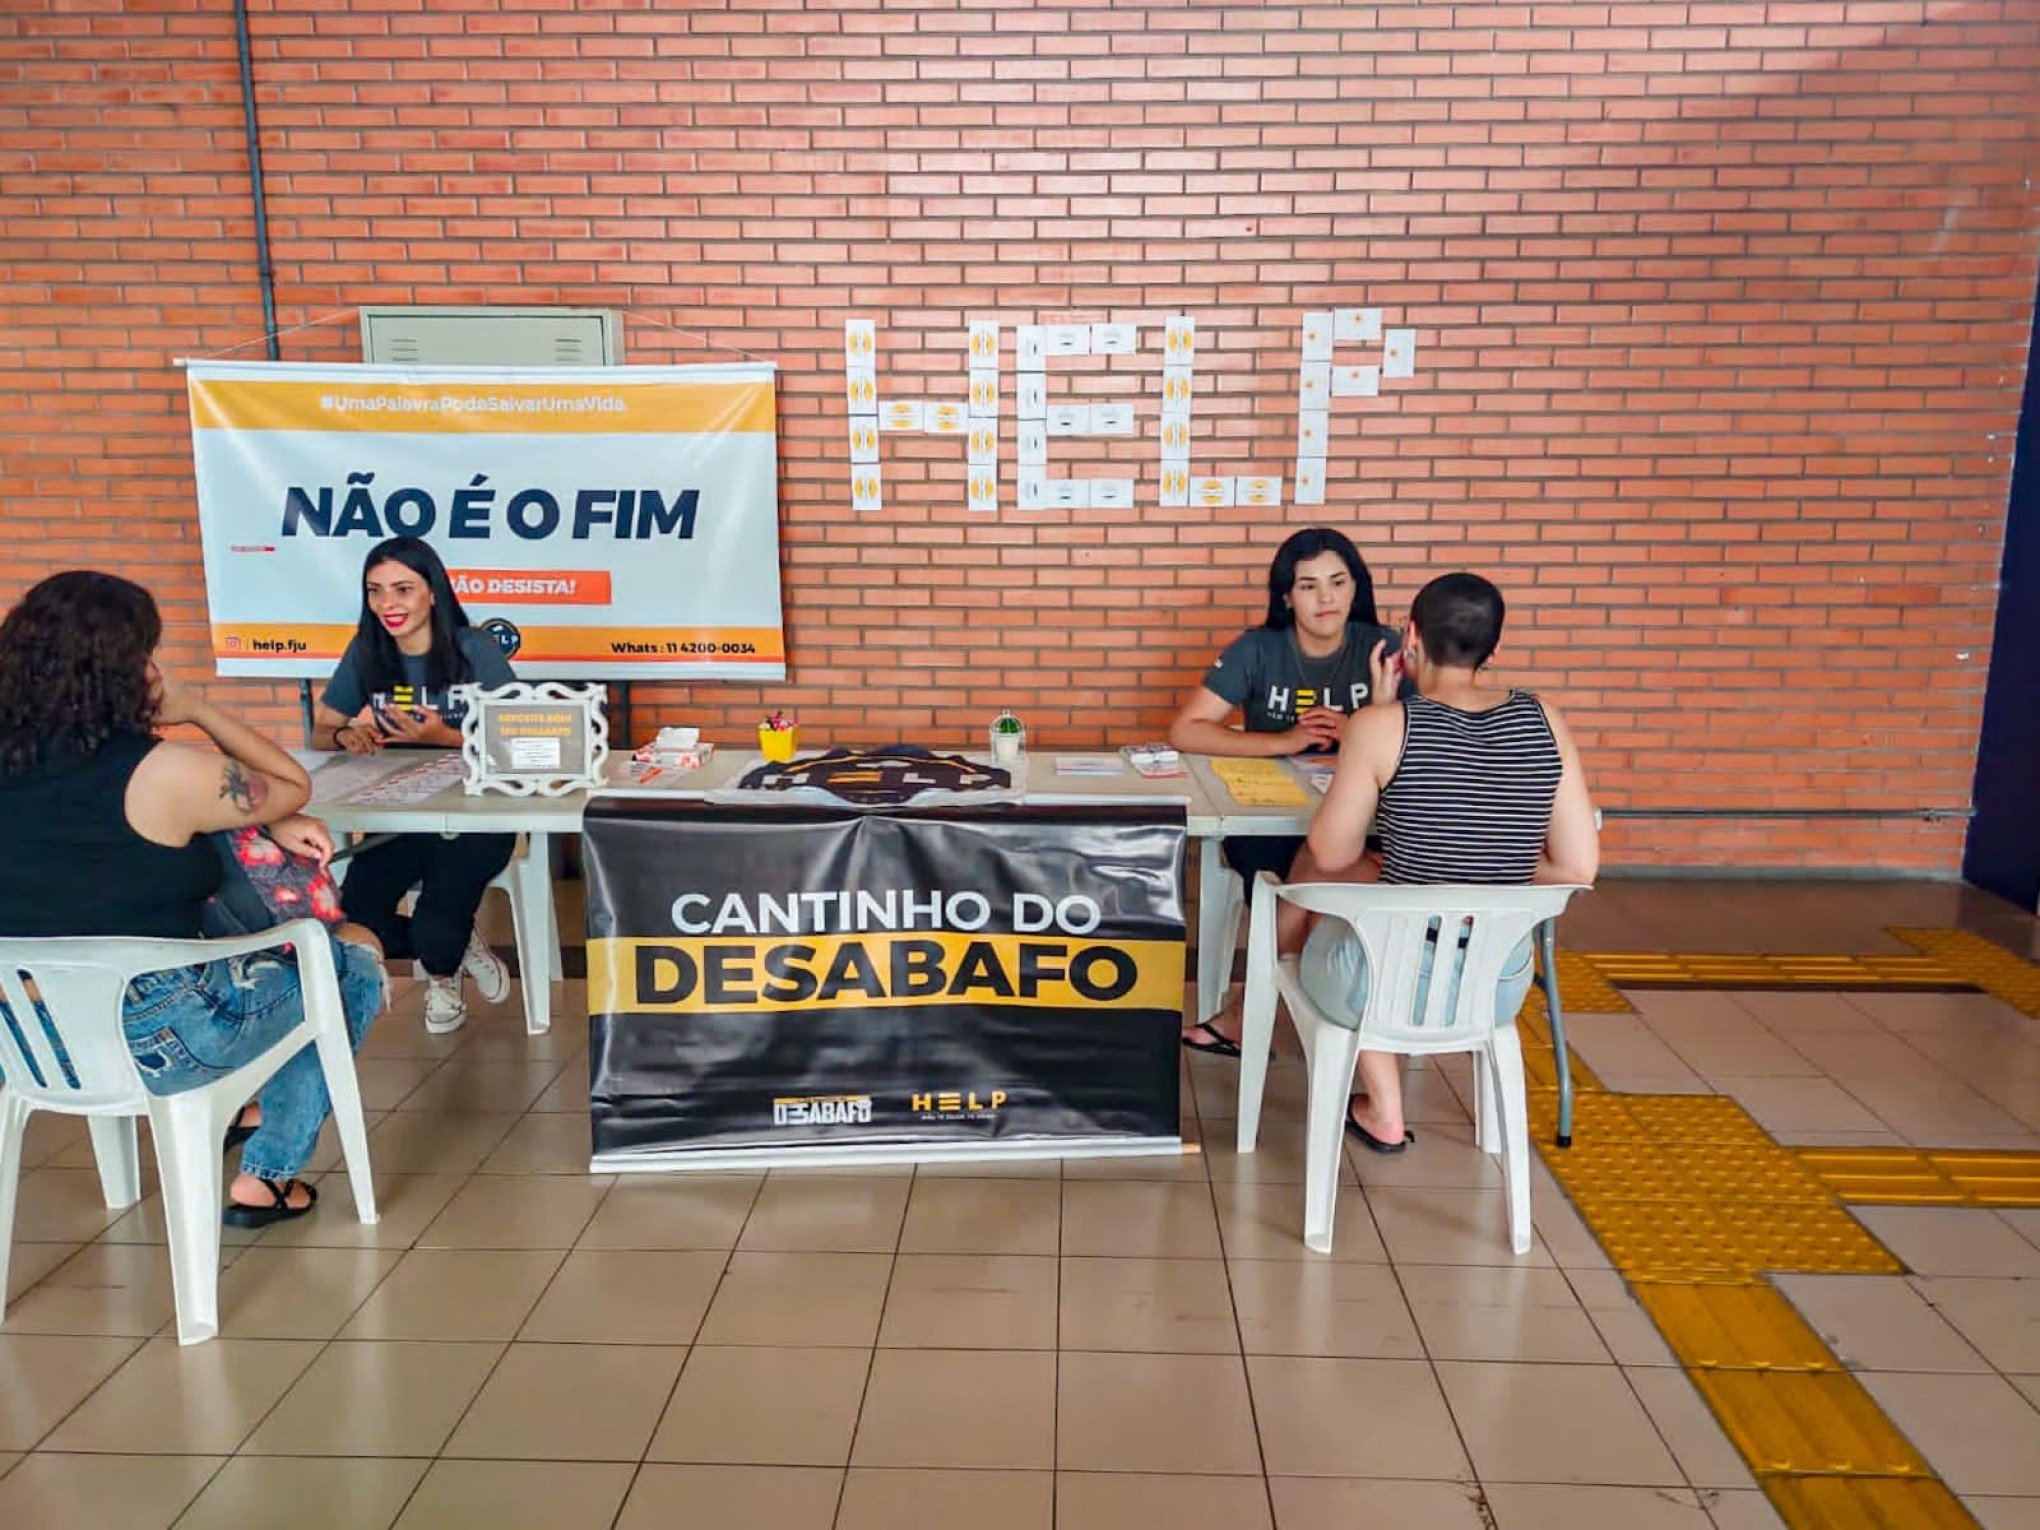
498, 337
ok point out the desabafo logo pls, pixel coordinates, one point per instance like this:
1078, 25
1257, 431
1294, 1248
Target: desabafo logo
822, 1110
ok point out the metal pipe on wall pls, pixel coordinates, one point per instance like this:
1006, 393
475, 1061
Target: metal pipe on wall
1865, 815
265, 270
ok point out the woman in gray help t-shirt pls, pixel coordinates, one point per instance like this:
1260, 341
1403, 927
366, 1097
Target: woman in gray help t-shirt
390, 689
1321, 654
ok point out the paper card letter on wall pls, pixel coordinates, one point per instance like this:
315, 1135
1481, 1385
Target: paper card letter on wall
863, 439
864, 489
1317, 336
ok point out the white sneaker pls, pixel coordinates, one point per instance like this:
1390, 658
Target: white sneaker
445, 1005
492, 978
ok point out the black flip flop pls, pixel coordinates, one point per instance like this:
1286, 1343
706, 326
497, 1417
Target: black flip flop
238, 1134
1217, 1046
238, 1215
1374, 1143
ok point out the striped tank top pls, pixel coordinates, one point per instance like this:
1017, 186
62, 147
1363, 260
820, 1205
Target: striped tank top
1471, 797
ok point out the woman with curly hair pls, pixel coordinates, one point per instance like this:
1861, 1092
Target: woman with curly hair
105, 827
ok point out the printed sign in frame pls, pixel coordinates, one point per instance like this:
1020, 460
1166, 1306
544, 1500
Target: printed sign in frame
546, 739
612, 523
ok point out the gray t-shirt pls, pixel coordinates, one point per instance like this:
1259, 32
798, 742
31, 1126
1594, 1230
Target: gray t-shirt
1265, 675
481, 663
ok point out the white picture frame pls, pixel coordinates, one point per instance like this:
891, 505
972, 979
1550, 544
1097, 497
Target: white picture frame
505, 753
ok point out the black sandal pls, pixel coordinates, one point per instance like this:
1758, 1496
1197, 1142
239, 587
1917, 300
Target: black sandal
1376, 1144
1217, 1046
239, 1133
238, 1215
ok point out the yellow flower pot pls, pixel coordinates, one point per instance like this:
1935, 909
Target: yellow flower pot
778, 744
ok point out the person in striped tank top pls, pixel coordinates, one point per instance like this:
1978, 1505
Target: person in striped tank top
1466, 781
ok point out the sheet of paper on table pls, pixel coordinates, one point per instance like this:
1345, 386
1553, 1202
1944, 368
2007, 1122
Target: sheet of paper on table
642, 775
1317, 773
406, 788
1260, 783
337, 777
1088, 765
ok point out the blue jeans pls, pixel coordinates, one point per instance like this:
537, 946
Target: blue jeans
191, 1025
1333, 972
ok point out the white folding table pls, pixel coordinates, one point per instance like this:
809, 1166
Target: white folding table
338, 782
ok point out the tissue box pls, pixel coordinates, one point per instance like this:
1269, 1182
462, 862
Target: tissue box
668, 753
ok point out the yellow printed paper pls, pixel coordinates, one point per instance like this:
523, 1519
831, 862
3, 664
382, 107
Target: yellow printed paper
1260, 783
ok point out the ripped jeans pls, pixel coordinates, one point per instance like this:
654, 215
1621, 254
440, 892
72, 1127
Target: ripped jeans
1333, 972
191, 1025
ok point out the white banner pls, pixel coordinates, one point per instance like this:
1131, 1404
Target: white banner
607, 523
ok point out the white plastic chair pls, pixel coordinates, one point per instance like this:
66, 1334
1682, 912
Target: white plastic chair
1392, 923
81, 983
535, 925
1220, 905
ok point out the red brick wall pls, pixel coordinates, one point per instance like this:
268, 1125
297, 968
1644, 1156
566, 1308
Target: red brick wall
1721, 313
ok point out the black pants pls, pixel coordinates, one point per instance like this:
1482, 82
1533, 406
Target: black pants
1252, 854
450, 874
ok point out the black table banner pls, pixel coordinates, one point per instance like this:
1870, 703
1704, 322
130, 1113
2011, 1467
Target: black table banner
786, 976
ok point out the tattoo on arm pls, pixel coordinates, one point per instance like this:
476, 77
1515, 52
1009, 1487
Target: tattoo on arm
246, 792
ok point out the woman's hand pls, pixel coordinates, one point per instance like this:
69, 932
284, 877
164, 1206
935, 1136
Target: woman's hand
1316, 729
174, 704
360, 736
304, 835
417, 726
1384, 674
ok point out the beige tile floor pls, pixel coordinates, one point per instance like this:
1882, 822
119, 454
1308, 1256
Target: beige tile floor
1102, 1344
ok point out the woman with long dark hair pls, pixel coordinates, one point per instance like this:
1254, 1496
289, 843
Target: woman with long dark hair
105, 831
1320, 655
413, 643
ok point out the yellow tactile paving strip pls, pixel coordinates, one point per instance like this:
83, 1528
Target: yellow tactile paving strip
1540, 1061
1711, 969
1982, 964
1866, 1503
1890, 1176
1697, 1206
1584, 989
1808, 1422
1689, 1187
1733, 1326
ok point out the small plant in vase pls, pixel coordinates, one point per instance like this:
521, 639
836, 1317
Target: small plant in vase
1009, 738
